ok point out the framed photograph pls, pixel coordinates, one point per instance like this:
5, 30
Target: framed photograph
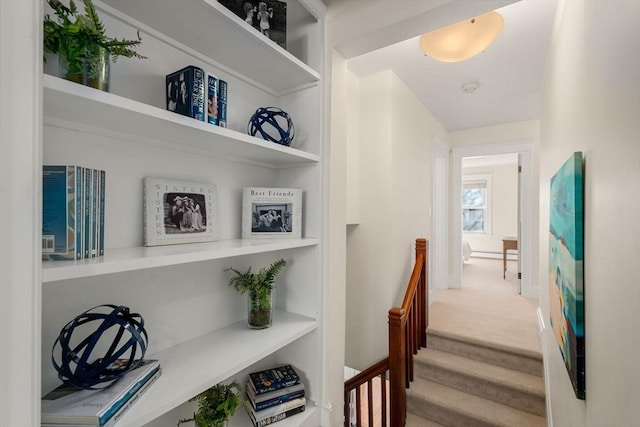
267, 16
179, 212
271, 213
566, 267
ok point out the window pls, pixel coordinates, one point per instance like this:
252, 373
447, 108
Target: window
476, 201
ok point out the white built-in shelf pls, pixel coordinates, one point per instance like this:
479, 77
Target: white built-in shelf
138, 258
70, 104
192, 367
211, 29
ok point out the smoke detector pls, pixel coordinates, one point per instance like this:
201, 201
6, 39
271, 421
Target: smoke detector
470, 87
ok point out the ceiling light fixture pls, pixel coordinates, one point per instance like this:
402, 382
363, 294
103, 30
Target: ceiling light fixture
463, 39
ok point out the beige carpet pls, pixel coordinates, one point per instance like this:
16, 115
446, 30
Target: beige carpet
487, 307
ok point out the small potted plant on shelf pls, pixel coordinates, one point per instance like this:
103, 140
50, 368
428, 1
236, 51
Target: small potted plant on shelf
82, 46
260, 287
216, 405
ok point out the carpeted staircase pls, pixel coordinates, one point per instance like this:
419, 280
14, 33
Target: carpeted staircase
461, 381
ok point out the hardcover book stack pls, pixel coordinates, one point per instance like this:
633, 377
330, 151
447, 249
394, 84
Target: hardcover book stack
196, 94
273, 395
71, 407
73, 203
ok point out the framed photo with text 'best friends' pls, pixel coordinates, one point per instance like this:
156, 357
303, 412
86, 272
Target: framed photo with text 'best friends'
271, 213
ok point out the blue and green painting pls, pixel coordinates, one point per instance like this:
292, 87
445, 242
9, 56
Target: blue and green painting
566, 267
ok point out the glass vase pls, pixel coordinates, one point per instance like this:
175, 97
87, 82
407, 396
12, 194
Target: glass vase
90, 68
260, 314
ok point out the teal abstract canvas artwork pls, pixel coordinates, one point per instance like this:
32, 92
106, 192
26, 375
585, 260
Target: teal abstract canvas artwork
566, 267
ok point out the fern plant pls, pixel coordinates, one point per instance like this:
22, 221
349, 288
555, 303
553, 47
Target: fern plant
259, 285
80, 39
215, 405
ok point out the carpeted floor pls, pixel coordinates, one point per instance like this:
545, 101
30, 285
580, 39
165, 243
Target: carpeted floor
487, 307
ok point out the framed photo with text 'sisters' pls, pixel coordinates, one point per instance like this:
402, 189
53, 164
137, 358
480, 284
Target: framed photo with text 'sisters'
267, 16
179, 212
272, 213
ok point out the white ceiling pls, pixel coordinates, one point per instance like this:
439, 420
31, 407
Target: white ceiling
509, 71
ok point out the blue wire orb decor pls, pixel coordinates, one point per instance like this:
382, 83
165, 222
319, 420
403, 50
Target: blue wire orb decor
114, 331
272, 124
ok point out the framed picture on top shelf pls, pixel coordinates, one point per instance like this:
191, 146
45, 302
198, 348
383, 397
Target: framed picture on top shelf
178, 212
271, 213
267, 16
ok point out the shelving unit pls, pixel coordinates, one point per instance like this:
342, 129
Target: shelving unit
196, 322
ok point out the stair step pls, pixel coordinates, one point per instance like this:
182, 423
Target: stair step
508, 357
416, 421
513, 388
450, 407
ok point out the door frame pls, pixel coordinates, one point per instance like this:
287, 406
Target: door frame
439, 245
525, 248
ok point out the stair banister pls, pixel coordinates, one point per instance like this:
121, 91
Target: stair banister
407, 334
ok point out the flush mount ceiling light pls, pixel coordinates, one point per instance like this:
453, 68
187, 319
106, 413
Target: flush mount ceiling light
463, 39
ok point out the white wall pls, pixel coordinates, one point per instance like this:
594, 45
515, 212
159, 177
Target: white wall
504, 207
20, 230
395, 195
592, 104
334, 334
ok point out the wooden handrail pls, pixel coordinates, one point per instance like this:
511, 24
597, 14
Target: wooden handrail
355, 383
407, 334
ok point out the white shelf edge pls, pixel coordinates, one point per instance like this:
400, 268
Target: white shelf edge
73, 102
139, 258
192, 367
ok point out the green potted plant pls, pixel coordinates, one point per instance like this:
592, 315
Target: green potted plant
215, 405
260, 287
81, 43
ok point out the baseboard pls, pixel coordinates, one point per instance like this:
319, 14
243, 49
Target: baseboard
542, 335
493, 255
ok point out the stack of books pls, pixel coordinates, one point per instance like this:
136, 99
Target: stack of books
72, 212
72, 407
273, 395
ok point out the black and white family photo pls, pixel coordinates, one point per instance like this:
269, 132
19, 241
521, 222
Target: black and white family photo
185, 213
267, 16
271, 218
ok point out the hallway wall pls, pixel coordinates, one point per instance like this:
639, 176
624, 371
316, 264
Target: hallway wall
395, 197
592, 104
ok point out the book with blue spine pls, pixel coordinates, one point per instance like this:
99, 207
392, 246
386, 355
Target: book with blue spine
87, 212
186, 92
222, 103
273, 379
101, 224
67, 405
59, 214
274, 398
212, 99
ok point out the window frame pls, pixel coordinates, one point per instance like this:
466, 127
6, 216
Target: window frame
482, 178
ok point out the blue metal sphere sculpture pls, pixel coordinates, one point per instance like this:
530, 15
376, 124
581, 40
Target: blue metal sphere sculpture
115, 331
272, 124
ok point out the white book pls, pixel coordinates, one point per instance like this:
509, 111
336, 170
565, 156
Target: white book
69, 406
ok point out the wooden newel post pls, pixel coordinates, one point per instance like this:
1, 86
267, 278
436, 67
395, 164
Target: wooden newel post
397, 367
422, 248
